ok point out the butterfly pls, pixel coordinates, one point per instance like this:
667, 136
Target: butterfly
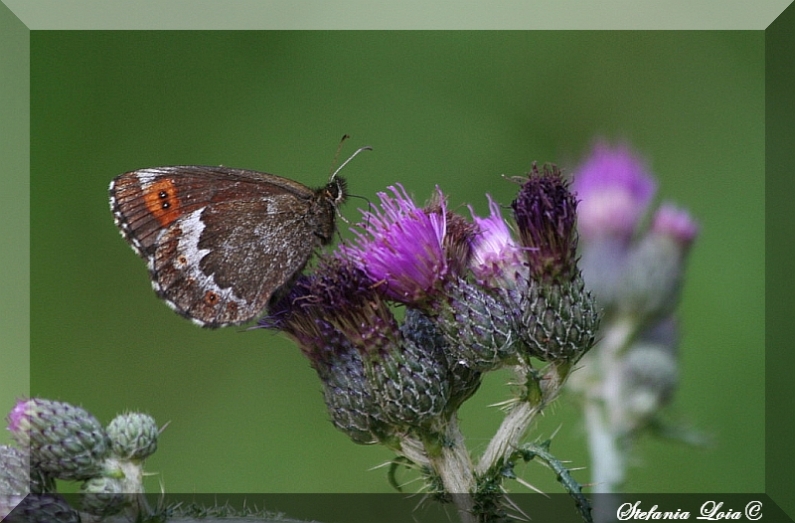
219, 242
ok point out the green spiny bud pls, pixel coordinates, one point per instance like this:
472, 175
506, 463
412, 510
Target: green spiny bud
649, 375
655, 266
603, 264
479, 326
350, 400
653, 279
133, 436
14, 471
411, 384
66, 442
559, 321
425, 333
104, 496
42, 508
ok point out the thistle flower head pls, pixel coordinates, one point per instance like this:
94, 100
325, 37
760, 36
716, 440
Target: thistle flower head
401, 247
458, 238
545, 212
675, 223
133, 436
17, 419
614, 189
65, 442
496, 258
376, 380
337, 301
653, 276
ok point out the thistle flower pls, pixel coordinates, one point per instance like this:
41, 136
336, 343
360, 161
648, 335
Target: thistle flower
545, 212
401, 247
559, 317
321, 310
636, 276
676, 224
497, 260
350, 336
614, 188
478, 318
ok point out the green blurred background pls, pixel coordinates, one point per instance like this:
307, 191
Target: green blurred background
454, 109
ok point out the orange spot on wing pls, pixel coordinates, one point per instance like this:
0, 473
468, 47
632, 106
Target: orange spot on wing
162, 202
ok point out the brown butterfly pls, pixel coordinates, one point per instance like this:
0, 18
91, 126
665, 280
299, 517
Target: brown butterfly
220, 242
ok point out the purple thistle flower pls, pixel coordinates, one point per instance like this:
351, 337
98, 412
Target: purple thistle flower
402, 246
374, 377
338, 301
675, 223
614, 188
17, 416
458, 238
546, 213
496, 257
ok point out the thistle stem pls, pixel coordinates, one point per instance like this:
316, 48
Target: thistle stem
607, 460
521, 415
454, 467
603, 410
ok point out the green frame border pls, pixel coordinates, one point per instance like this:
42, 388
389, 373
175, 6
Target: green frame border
775, 17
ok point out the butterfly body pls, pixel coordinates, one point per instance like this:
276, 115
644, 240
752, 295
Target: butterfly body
219, 242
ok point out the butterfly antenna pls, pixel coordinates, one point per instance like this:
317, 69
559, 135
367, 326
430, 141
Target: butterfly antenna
337, 155
357, 151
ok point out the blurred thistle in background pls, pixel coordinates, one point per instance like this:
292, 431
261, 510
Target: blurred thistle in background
634, 265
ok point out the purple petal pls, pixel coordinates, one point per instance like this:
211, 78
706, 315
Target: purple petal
614, 188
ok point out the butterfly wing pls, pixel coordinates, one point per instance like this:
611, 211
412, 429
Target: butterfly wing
218, 242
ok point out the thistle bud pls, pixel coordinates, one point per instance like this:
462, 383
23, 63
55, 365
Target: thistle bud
353, 341
65, 442
103, 497
425, 333
412, 385
545, 212
336, 318
560, 321
350, 400
41, 508
649, 375
655, 267
559, 317
479, 325
133, 436
14, 472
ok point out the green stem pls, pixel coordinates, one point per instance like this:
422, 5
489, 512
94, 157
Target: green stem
454, 466
536, 397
